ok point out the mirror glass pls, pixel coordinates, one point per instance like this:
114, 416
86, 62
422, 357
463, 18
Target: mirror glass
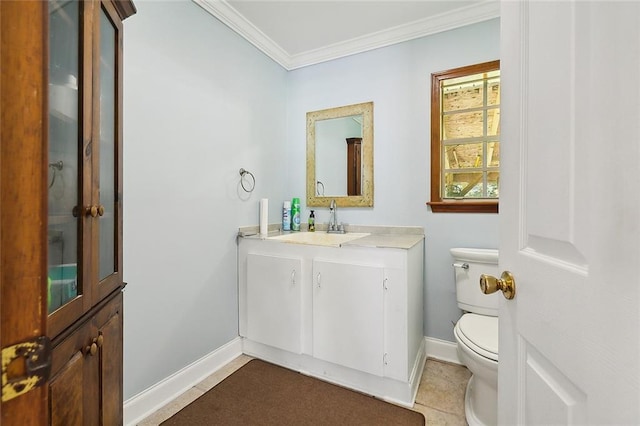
340, 156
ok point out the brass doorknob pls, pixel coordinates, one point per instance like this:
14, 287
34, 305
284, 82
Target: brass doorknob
100, 210
506, 283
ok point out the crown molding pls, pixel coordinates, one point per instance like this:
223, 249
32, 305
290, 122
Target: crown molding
420, 28
447, 21
229, 16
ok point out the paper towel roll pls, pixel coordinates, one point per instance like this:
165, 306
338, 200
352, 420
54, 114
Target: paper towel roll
264, 217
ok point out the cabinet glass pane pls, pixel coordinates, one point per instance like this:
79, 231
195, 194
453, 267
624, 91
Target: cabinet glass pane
107, 146
64, 77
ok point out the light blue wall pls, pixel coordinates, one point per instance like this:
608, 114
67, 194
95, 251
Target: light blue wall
200, 103
398, 81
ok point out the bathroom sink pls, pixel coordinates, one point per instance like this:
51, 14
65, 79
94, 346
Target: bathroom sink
319, 238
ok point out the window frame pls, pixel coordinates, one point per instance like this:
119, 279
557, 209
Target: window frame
437, 203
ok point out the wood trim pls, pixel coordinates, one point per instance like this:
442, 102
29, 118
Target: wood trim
82, 318
354, 166
119, 155
125, 8
438, 205
92, 181
23, 178
109, 283
435, 139
463, 206
367, 195
85, 275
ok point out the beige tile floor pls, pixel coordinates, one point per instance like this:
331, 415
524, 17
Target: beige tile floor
440, 394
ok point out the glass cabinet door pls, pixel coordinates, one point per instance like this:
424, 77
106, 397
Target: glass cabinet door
107, 172
108, 149
85, 173
64, 243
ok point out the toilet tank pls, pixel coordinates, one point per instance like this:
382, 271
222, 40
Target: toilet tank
469, 264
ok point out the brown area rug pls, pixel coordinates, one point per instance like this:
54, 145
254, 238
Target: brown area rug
261, 393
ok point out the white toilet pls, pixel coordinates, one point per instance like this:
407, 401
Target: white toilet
477, 332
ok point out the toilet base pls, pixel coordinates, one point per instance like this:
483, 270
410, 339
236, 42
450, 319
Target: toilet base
480, 403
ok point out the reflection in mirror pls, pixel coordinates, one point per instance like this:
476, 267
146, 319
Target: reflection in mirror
332, 163
340, 156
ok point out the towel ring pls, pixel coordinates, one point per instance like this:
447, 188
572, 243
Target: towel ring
318, 192
56, 167
244, 172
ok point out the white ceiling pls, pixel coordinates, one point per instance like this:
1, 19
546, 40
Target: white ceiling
297, 33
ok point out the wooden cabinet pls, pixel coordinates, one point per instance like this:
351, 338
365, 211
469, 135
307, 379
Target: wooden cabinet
84, 206
61, 196
354, 166
86, 377
84, 167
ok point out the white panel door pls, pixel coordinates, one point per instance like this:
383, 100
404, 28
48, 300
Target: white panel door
348, 315
274, 301
569, 211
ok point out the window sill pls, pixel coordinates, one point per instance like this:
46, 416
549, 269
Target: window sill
463, 206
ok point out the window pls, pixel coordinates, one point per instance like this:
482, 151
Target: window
465, 139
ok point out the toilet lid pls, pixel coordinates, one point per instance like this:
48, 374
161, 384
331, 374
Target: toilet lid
480, 334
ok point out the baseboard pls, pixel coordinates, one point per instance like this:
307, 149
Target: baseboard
418, 369
442, 350
150, 400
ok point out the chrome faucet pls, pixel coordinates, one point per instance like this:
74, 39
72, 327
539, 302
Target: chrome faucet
333, 219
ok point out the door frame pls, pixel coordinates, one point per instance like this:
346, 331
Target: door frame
23, 181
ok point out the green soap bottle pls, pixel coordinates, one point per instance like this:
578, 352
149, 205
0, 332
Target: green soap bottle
312, 222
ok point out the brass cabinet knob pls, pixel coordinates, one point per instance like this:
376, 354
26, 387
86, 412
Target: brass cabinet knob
94, 211
506, 283
91, 211
91, 350
96, 343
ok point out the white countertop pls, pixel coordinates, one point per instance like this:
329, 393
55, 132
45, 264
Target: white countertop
399, 237
400, 241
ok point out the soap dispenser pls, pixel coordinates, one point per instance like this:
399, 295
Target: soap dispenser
312, 222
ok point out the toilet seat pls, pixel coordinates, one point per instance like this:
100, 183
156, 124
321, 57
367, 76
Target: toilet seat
480, 334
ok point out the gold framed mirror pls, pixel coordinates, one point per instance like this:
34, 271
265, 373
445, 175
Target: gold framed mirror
340, 156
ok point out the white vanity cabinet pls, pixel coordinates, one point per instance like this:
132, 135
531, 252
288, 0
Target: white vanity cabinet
348, 320
274, 301
351, 315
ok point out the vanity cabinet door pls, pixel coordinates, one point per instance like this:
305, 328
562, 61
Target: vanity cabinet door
274, 301
348, 319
